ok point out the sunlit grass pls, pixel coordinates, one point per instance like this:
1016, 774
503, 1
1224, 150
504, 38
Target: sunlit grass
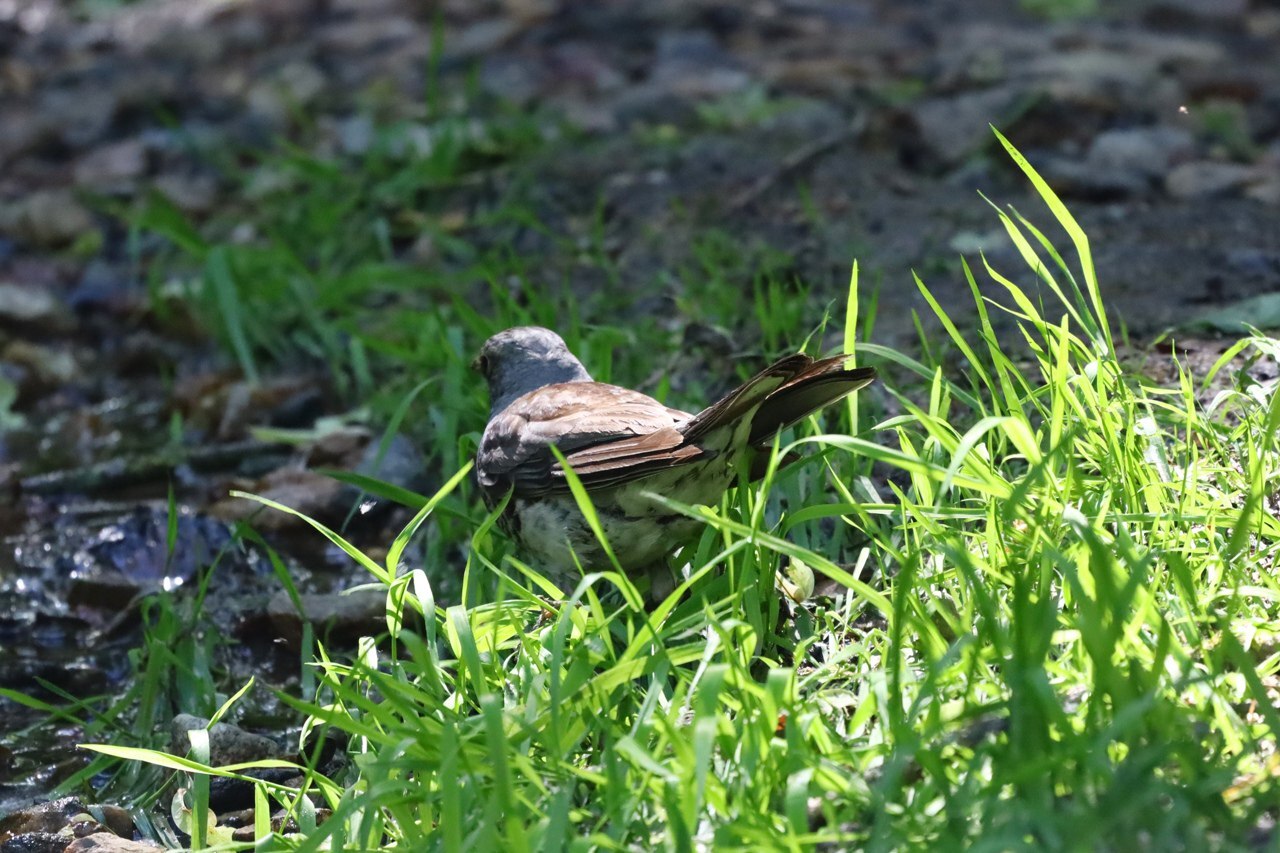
1049, 620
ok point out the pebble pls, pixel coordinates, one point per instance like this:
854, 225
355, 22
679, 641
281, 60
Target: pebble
1206, 178
1122, 162
1267, 191
195, 194
80, 114
297, 84
46, 368
1147, 151
692, 64
32, 308
54, 815
336, 618
113, 168
949, 129
105, 842
228, 744
21, 131
49, 219
355, 134
399, 462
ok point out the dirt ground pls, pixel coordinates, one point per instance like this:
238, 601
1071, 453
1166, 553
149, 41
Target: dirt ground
829, 130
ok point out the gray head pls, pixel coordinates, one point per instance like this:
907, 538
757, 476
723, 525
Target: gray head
519, 360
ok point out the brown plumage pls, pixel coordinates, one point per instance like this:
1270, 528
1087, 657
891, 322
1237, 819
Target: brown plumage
622, 443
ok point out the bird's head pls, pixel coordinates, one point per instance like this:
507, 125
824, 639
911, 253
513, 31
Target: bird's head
518, 360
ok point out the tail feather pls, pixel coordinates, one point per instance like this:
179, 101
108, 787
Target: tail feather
821, 384
739, 402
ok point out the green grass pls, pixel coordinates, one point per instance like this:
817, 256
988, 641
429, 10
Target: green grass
1061, 9
1048, 620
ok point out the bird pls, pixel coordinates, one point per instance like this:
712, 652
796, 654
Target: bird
623, 446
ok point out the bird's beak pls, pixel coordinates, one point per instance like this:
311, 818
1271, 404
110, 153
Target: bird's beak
480, 364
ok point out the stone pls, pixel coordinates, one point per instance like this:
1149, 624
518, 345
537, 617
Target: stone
356, 134
1205, 178
25, 829
1099, 78
47, 368
107, 590
113, 168
228, 744
35, 842
336, 618
1121, 162
307, 492
584, 65
400, 462
32, 308
1076, 179
189, 193
297, 84
692, 64
21, 131
1263, 23
514, 78
364, 34
51, 219
1267, 192
1147, 151
80, 115
482, 38
105, 288
105, 842
949, 129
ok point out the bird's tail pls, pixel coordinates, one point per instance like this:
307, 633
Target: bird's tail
818, 385
741, 401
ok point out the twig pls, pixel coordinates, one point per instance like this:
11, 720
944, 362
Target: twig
793, 162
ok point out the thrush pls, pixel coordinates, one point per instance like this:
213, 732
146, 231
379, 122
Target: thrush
623, 445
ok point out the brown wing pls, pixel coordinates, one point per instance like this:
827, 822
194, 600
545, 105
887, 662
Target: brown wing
619, 461
622, 460
606, 433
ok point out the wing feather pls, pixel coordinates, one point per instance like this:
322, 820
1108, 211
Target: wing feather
608, 434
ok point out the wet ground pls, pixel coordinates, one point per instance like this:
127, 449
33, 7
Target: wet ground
792, 135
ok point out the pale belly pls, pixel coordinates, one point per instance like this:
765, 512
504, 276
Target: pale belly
641, 531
